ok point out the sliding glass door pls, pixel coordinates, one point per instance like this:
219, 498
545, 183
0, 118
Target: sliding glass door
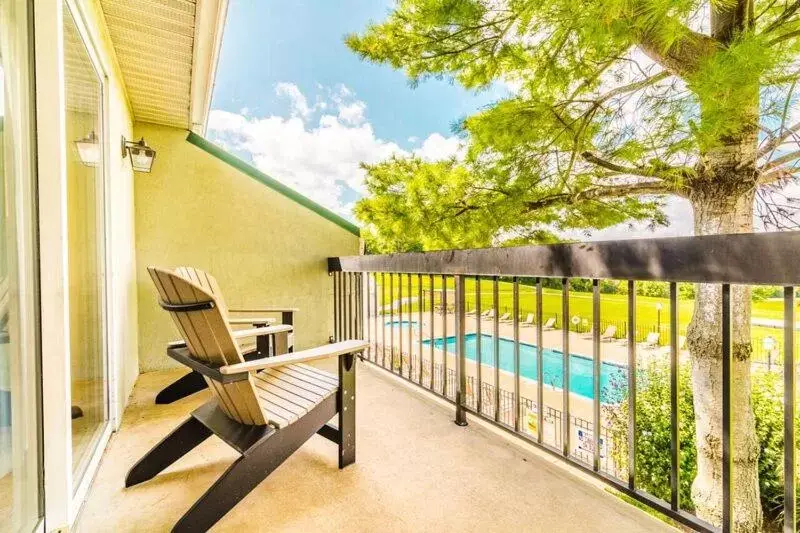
86, 235
20, 405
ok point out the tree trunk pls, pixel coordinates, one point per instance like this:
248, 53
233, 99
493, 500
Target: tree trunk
722, 199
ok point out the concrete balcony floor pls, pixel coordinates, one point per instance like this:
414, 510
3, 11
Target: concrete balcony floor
415, 471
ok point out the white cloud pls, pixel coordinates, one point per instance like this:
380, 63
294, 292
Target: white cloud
353, 113
437, 147
298, 104
318, 148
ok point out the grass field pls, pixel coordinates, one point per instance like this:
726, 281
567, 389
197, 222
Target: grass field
613, 307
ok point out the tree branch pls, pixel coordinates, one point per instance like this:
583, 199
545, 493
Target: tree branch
776, 175
593, 193
666, 173
783, 17
778, 161
685, 56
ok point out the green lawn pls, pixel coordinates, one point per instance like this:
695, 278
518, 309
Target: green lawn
613, 307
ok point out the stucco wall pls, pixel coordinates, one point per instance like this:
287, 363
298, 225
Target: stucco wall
264, 248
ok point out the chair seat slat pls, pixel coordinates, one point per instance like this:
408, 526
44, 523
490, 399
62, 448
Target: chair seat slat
304, 384
319, 373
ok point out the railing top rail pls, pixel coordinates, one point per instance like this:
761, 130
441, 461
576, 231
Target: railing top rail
761, 258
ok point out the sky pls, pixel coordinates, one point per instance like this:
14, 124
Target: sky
293, 100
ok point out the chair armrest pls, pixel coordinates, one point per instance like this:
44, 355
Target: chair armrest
253, 320
313, 354
258, 332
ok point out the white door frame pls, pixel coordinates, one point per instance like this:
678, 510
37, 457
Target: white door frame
62, 503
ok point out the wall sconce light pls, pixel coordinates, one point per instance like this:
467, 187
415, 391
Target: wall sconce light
89, 150
142, 156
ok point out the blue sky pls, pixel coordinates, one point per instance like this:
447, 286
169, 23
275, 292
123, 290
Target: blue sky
294, 100
291, 98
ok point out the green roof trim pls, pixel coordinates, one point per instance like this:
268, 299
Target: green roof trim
211, 148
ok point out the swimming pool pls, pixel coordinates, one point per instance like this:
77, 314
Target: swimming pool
404, 324
612, 377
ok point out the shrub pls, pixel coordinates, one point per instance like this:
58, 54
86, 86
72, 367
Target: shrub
653, 435
653, 432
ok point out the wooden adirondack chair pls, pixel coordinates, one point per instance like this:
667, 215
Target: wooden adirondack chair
271, 339
265, 409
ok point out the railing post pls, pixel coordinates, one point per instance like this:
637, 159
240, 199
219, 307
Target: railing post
515, 327
675, 450
789, 390
727, 435
461, 364
539, 364
478, 347
565, 428
631, 334
596, 372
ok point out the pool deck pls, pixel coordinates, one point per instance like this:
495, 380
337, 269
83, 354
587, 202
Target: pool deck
615, 352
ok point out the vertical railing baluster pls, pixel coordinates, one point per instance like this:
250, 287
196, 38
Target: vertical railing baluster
410, 331
461, 363
596, 367
496, 343
515, 325
375, 312
348, 285
400, 320
478, 347
433, 331
444, 335
789, 391
727, 435
368, 314
565, 422
421, 305
336, 318
391, 317
361, 277
539, 363
383, 319
674, 446
631, 335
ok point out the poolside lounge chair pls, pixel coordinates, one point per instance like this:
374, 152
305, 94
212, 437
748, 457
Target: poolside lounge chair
470, 312
488, 314
608, 334
550, 324
651, 342
271, 339
264, 409
505, 318
529, 321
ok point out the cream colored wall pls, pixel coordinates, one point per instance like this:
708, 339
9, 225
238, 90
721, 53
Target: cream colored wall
263, 248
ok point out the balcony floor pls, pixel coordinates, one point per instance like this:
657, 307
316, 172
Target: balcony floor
415, 471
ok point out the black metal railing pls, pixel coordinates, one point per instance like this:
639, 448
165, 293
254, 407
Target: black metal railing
412, 309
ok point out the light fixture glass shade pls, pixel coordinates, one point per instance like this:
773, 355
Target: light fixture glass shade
142, 156
89, 150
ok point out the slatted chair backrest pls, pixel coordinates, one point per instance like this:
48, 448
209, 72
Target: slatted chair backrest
209, 339
206, 281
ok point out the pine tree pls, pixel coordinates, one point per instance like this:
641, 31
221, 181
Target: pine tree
617, 104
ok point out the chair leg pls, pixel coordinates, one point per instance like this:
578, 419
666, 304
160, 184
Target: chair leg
347, 410
182, 440
258, 462
181, 388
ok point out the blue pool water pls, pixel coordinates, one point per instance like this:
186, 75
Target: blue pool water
612, 377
